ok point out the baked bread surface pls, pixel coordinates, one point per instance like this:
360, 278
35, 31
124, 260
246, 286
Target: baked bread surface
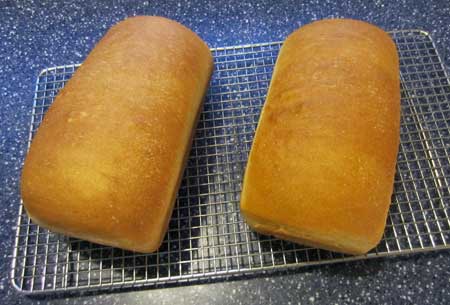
106, 163
321, 168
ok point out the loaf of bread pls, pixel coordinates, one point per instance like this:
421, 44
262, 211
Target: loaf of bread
107, 160
321, 168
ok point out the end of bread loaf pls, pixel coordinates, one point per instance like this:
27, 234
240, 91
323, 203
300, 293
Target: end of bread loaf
348, 244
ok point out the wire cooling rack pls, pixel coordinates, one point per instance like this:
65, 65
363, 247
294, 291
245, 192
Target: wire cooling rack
207, 237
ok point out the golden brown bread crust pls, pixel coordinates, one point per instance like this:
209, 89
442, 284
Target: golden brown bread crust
106, 162
322, 165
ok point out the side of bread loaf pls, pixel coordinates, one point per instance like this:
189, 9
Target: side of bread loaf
107, 160
322, 165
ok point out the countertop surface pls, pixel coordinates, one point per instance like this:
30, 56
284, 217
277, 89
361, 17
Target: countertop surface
39, 34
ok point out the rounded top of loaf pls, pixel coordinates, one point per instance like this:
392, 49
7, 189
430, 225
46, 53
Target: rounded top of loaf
329, 31
163, 23
345, 27
341, 22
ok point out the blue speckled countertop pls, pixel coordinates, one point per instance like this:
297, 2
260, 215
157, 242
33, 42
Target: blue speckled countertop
39, 34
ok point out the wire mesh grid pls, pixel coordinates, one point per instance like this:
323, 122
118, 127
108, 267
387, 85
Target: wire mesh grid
207, 236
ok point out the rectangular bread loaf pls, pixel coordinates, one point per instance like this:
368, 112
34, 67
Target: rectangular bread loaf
322, 165
107, 160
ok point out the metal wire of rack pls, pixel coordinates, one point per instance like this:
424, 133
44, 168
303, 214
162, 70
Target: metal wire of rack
207, 236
